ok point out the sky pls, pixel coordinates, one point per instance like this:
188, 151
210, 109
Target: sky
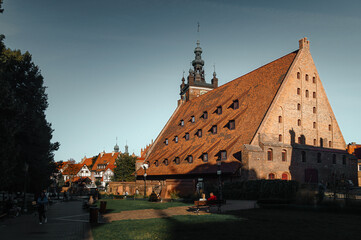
112, 68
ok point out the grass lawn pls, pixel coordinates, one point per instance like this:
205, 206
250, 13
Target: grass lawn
246, 224
118, 205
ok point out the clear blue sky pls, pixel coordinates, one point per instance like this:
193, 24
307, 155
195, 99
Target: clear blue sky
113, 68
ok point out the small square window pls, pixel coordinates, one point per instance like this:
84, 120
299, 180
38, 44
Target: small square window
223, 155
176, 160
199, 133
214, 129
181, 123
176, 139
156, 163
187, 136
166, 141
235, 104
205, 157
232, 124
193, 119
205, 115
219, 110
190, 159
165, 162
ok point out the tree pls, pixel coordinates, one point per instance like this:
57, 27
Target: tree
1, 9
25, 137
125, 167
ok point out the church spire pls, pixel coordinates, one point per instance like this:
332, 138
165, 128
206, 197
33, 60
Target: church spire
198, 64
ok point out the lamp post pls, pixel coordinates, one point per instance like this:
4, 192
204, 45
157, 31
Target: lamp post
26, 168
135, 184
219, 173
145, 167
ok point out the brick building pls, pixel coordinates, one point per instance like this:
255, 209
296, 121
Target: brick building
272, 123
355, 149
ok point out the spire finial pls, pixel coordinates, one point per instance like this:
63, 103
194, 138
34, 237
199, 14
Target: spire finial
198, 27
183, 73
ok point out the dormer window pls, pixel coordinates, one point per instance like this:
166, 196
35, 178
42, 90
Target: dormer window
181, 123
223, 155
186, 136
176, 160
190, 158
205, 157
219, 110
199, 132
235, 104
156, 163
214, 129
232, 124
205, 115
193, 119
165, 162
166, 141
176, 139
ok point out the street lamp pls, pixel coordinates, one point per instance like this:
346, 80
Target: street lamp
219, 173
26, 168
145, 166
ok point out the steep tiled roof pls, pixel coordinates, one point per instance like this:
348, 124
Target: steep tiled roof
105, 158
72, 169
254, 91
87, 161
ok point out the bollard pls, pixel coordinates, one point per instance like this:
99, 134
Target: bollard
93, 214
103, 207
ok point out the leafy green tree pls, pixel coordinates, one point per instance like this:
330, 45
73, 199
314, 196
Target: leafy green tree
1, 9
25, 137
125, 167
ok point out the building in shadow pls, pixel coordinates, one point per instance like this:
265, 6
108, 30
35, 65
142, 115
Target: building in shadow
272, 123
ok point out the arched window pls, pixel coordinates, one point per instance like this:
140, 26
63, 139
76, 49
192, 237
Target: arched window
279, 119
298, 91
299, 122
314, 79
303, 156
306, 77
314, 142
284, 176
269, 154
280, 138
298, 106
329, 144
329, 127
333, 158
298, 75
271, 176
319, 159
314, 109
284, 155
307, 94
314, 94
314, 124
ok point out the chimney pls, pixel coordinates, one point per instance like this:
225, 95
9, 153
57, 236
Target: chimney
304, 44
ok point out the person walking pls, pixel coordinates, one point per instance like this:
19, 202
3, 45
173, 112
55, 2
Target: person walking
42, 203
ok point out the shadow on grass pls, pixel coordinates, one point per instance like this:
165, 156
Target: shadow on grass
243, 224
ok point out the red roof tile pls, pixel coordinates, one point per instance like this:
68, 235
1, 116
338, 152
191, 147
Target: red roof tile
255, 92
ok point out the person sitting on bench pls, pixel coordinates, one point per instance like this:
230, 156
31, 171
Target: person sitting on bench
212, 197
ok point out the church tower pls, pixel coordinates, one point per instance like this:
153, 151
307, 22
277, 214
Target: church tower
196, 83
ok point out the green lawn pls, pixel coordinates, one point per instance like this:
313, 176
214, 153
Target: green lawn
247, 224
114, 206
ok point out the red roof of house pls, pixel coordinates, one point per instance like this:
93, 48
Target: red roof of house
105, 158
254, 91
87, 161
73, 169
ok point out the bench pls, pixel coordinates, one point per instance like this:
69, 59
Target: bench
208, 204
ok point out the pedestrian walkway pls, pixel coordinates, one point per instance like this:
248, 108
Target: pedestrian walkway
66, 220
173, 211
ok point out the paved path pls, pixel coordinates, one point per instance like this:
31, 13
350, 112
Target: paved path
183, 210
66, 220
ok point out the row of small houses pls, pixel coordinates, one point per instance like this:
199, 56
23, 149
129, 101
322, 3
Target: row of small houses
89, 170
